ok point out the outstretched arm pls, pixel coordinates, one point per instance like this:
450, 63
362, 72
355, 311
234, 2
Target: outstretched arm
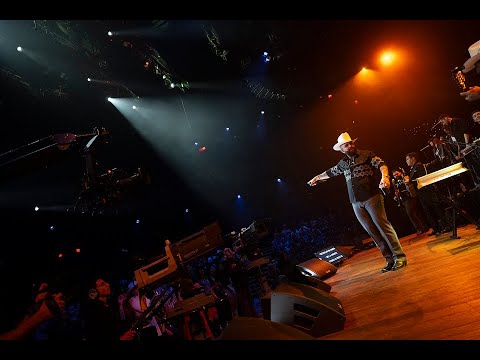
27, 325
472, 94
320, 177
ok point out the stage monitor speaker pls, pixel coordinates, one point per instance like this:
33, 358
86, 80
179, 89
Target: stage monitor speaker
316, 267
266, 304
334, 255
250, 328
307, 309
347, 251
316, 281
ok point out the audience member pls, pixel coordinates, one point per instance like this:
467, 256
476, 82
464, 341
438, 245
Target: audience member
100, 318
47, 308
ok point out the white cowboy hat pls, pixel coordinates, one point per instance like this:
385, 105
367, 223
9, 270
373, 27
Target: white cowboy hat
474, 51
342, 139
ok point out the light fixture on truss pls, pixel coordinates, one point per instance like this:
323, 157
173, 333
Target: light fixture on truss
214, 41
160, 68
262, 92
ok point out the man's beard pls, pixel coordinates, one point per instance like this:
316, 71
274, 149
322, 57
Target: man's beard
351, 152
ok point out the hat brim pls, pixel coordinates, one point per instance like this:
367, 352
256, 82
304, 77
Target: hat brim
470, 63
336, 147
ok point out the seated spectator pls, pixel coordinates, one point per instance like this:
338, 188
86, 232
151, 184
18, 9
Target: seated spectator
101, 318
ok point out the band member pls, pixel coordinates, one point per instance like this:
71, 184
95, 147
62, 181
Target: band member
443, 155
457, 131
359, 168
432, 205
406, 196
476, 115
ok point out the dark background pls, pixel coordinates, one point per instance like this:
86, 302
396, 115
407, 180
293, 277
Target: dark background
47, 93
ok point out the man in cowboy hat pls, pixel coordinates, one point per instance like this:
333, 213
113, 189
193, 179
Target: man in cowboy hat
473, 93
359, 168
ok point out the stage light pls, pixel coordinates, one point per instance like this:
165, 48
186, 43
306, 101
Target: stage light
387, 58
109, 99
239, 196
134, 107
137, 221
262, 112
227, 129
110, 33
77, 250
196, 143
186, 210
172, 85
52, 227
19, 49
37, 208
279, 180
88, 79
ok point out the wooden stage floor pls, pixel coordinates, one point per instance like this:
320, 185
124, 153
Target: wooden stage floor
435, 297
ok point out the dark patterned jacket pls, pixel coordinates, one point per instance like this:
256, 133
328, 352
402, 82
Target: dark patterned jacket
360, 174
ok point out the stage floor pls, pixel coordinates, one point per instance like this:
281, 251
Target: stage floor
435, 297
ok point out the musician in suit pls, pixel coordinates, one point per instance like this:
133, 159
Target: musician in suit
406, 196
432, 206
457, 131
443, 155
360, 168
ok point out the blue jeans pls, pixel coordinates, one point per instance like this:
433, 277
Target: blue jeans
371, 214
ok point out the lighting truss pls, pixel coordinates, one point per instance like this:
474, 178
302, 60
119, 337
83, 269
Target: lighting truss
214, 41
262, 92
160, 68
